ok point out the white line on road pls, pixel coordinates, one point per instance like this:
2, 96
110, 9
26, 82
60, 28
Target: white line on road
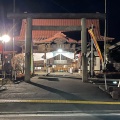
62, 115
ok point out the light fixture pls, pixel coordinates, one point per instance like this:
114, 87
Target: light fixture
59, 50
115, 82
5, 38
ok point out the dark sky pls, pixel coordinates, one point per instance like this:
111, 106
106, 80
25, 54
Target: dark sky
66, 6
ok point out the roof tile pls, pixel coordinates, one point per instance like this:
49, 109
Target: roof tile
40, 35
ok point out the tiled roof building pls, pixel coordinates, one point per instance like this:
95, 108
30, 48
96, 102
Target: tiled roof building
39, 36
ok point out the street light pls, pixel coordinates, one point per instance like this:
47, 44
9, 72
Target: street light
5, 38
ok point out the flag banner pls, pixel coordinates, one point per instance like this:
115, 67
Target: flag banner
96, 44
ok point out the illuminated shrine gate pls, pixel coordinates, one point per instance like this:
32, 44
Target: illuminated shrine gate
30, 27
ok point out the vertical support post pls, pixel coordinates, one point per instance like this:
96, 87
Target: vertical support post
3, 60
92, 57
92, 60
105, 33
74, 55
45, 60
28, 42
45, 64
45, 57
84, 51
13, 45
32, 59
13, 41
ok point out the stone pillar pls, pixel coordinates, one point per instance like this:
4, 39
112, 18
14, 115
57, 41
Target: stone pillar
28, 41
84, 50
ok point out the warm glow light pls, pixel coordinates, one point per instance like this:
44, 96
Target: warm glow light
0, 38
59, 50
5, 38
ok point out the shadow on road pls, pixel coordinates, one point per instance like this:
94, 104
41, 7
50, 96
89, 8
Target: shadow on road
59, 76
67, 96
49, 78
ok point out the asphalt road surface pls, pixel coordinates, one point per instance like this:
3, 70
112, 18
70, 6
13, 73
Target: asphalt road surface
69, 116
57, 97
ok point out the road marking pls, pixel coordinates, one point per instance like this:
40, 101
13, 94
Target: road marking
61, 102
59, 115
64, 112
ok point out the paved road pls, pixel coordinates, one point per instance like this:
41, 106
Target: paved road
46, 95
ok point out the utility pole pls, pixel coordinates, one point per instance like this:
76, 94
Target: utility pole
13, 28
13, 34
105, 45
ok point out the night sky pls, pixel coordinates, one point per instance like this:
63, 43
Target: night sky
64, 6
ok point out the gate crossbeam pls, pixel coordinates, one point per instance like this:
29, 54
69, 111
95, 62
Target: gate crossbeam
56, 15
